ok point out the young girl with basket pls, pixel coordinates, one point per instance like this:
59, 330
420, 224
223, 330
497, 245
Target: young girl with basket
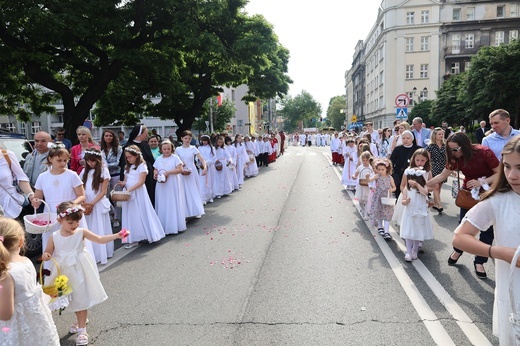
351, 159
416, 223
96, 177
498, 207
67, 248
362, 188
223, 181
25, 317
138, 212
169, 193
381, 213
207, 180
233, 153
190, 176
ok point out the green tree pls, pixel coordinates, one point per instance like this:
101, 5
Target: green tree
493, 81
422, 110
300, 109
334, 114
450, 103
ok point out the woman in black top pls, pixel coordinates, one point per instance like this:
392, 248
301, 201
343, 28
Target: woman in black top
401, 158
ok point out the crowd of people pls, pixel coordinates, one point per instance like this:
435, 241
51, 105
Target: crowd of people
165, 185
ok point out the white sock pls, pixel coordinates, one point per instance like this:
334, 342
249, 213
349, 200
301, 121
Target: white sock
409, 245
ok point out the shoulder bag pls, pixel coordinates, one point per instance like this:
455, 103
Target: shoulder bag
464, 199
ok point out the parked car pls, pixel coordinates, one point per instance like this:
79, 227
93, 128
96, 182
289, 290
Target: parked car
18, 143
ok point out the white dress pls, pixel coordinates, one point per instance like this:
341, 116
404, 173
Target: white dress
78, 265
139, 216
501, 211
362, 191
349, 168
207, 181
241, 159
223, 181
251, 169
416, 222
99, 220
191, 183
31, 323
232, 167
169, 196
57, 189
10, 200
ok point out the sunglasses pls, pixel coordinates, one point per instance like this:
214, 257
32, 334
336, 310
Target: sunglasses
60, 134
456, 149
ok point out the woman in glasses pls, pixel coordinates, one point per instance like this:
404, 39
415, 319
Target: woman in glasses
480, 167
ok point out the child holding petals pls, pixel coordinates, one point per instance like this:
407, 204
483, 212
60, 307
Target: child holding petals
381, 213
68, 248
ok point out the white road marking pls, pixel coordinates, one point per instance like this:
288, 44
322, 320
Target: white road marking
435, 328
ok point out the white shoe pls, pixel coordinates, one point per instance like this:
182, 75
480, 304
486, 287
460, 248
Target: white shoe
131, 245
408, 257
198, 216
211, 200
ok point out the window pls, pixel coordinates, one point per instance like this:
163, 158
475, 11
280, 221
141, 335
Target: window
410, 17
409, 44
425, 43
513, 35
233, 95
35, 127
455, 44
455, 68
499, 38
470, 13
381, 78
409, 72
467, 65
500, 11
22, 127
425, 17
456, 14
513, 10
424, 71
9, 127
423, 95
469, 41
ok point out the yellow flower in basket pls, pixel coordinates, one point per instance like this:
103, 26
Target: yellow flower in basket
58, 291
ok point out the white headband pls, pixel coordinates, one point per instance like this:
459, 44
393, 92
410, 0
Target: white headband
415, 171
140, 130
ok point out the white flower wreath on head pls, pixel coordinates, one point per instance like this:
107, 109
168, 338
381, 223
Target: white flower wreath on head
418, 171
92, 152
133, 151
71, 210
55, 145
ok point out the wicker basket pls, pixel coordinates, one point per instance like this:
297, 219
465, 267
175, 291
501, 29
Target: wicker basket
251, 158
218, 165
363, 181
186, 171
59, 300
119, 196
32, 228
388, 200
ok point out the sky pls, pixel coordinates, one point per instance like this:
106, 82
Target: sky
321, 37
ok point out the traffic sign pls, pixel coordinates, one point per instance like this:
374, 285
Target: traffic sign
354, 118
401, 113
402, 100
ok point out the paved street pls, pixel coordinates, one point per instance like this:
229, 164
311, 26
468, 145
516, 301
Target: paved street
288, 260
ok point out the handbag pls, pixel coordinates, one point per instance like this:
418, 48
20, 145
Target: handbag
464, 199
363, 181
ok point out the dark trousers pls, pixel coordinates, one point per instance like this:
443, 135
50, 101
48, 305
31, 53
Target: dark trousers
265, 159
258, 160
486, 237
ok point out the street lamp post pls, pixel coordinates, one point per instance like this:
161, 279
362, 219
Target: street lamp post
423, 96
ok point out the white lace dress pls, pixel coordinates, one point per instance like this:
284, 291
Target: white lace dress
416, 222
191, 182
501, 211
31, 323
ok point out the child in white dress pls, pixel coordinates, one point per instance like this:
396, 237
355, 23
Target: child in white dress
191, 182
169, 192
241, 158
67, 246
207, 180
251, 169
351, 159
25, 317
416, 223
138, 213
362, 187
232, 167
96, 177
223, 182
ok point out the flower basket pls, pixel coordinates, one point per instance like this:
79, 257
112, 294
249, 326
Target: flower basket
218, 165
363, 181
58, 290
119, 196
186, 171
39, 223
251, 158
161, 177
388, 200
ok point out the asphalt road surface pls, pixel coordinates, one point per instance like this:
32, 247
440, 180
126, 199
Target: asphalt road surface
288, 260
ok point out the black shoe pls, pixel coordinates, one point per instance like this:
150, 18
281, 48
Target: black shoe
440, 210
452, 261
480, 275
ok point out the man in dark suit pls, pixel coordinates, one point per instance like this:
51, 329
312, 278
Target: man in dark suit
480, 133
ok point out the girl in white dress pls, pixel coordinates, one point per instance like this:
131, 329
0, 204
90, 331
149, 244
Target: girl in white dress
207, 180
67, 246
363, 190
349, 168
499, 208
251, 169
96, 177
169, 192
191, 182
58, 185
416, 223
232, 167
25, 317
223, 182
139, 216
241, 158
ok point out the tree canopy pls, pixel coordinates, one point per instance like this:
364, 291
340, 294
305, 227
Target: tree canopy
334, 114
302, 109
122, 53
